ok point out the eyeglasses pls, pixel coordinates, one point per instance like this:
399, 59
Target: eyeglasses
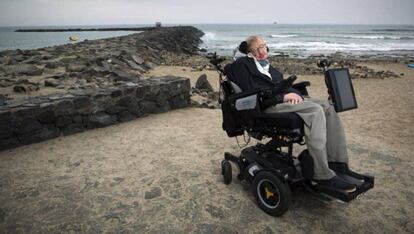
258, 49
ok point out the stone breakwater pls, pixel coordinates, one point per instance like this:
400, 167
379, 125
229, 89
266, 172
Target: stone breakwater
47, 117
70, 88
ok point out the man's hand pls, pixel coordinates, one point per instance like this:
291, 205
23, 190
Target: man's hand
292, 98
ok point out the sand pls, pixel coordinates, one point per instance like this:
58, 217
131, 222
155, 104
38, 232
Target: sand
161, 173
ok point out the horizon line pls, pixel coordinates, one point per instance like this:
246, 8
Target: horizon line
193, 24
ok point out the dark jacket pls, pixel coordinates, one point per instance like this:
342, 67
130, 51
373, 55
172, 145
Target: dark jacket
245, 74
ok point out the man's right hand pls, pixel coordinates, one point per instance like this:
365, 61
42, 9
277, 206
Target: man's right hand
292, 98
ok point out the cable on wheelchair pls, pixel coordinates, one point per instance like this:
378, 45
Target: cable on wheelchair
245, 141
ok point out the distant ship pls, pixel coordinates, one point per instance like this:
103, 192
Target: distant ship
275, 22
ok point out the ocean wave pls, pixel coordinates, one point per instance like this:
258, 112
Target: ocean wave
393, 30
209, 36
283, 35
328, 46
375, 37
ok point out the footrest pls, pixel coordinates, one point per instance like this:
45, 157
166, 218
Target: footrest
362, 182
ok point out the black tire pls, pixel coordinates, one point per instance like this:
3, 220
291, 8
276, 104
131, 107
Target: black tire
271, 194
226, 171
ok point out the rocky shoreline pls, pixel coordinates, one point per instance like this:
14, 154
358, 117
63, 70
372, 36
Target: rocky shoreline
85, 29
307, 66
74, 87
94, 64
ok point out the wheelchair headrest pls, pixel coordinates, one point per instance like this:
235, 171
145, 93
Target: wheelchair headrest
243, 47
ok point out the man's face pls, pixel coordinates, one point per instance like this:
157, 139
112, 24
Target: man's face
258, 49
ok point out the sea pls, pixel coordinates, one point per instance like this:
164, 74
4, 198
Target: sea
299, 40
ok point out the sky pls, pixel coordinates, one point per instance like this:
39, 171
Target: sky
115, 12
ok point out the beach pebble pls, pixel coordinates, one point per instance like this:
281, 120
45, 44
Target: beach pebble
153, 193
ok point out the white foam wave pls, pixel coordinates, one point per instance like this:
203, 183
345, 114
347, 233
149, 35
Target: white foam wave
328, 46
209, 36
283, 35
376, 37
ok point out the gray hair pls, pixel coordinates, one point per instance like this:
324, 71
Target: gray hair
252, 39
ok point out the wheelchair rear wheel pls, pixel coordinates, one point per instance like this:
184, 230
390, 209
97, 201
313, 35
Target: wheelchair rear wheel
271, 194
226, 171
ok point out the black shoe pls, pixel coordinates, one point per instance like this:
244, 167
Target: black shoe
338, 166
337, 183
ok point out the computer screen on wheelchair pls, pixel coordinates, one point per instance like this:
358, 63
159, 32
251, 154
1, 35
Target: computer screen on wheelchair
340, 89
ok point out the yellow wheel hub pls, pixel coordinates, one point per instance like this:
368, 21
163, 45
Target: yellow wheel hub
268, 193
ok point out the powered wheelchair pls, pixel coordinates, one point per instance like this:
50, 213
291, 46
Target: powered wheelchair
273, 172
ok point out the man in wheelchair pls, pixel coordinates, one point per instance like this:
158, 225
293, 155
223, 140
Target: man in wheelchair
323, 130
256, 99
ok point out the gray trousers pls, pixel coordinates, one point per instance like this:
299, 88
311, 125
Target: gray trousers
324, 133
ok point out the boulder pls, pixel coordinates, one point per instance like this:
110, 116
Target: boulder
23, 69
203, 84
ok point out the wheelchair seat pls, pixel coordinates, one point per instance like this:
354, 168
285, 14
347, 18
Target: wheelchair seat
285, 120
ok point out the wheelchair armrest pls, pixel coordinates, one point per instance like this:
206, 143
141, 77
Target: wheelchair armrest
244, 94
301, 87
245, 100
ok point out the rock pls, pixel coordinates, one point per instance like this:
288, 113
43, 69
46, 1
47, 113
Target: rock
52, 83
115, 109
25, 88
135, 66
148, 106
134, 108
125, 116
2, 215
2, 100
47, 117
153, 193
52, 65
124, 76
45, 133
6, 126
73, 128
23, 69
150, 65
27, 125
203, 84
101, 120
63, 121
137, 59
75, 67
82, 102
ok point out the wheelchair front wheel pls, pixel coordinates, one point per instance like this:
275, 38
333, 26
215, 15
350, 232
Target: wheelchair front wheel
226, 171
271, 194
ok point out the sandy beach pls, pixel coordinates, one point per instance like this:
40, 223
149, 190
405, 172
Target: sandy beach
161, 173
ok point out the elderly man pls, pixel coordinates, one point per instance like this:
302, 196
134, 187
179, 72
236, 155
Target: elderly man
324, 134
